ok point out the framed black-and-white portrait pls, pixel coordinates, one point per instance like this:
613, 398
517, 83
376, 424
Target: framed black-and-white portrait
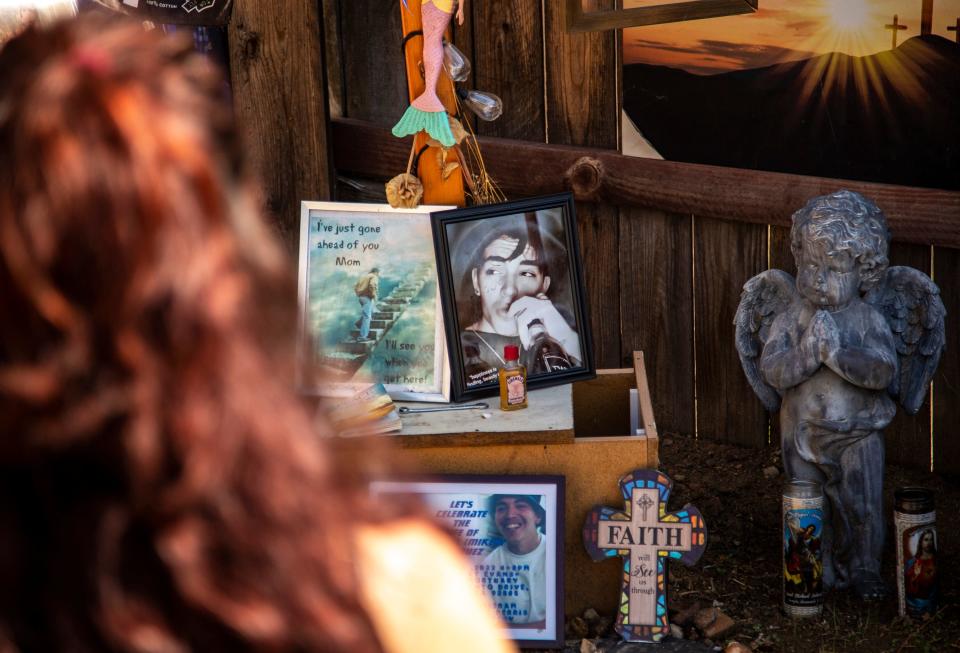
510, 274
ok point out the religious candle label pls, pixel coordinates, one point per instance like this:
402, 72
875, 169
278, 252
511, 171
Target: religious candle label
802, 556
645, 535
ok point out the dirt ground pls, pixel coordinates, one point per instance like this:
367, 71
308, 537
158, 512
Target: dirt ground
740, 571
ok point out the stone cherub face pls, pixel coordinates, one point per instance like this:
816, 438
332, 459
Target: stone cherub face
829, 278
840, 247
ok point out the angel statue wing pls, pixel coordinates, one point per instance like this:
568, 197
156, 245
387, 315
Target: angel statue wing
764, 297
911, 304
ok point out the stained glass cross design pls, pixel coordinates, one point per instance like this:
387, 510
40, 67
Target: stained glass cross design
645, 539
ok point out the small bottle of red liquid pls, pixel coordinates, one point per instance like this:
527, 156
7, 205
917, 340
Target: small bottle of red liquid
513, 380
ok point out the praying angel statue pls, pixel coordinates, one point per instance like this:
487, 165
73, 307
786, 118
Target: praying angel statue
829, 350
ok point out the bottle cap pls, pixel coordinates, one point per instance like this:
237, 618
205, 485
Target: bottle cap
511, 352
913, 500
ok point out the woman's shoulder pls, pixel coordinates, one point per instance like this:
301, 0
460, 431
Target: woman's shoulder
421, 592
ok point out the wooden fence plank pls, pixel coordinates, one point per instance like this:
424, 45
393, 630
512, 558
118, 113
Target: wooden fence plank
780, 257
725, 256
908, 436
281, 105
598, 250
946, 384
508, 61
332, 53
915, 215
580, 110
656, 303
581, 81
375, 88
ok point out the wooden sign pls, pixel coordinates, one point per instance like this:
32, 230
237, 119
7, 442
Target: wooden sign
646, 536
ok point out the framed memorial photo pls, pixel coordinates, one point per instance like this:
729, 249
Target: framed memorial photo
511, 529
510, 274
369, 301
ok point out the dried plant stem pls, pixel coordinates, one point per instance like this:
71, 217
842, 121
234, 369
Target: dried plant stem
467, 172
413, 147
483, 188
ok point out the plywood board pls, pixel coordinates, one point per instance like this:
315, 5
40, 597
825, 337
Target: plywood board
602, 406
591, 466
548, 418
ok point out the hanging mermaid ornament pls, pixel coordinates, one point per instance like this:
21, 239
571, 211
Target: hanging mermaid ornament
426, 112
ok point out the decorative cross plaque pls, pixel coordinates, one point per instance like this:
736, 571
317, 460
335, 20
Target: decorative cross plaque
646, 536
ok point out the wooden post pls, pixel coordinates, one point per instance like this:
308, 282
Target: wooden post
926, 17
436, 189
279, 95
895, 27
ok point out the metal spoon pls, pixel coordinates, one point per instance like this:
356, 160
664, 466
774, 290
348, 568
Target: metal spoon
406, 411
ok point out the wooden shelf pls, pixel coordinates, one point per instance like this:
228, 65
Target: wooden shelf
548, 419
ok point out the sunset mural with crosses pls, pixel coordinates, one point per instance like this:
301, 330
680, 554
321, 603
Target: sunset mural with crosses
855, 89
784, 30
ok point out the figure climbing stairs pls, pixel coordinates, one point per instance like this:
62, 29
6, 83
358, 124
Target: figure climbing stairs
348, 355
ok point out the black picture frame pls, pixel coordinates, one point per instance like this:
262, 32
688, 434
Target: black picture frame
465, 502
552, 288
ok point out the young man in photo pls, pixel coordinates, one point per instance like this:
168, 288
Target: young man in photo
514, 573
510, 278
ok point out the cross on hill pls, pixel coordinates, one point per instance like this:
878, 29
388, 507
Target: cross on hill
896, 26
926, 17
955, 29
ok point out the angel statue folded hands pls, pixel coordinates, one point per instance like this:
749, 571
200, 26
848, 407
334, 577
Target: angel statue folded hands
829, 350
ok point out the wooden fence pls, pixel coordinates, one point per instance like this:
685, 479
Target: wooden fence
666, 246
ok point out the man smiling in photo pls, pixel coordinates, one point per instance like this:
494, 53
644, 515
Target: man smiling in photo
510, 277
515, 572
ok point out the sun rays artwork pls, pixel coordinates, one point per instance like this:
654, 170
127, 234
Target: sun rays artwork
854, 89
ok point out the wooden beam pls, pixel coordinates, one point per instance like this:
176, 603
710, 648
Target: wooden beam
279, 93
523, 169
577, 20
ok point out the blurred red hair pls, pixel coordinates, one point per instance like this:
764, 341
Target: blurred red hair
161, 487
